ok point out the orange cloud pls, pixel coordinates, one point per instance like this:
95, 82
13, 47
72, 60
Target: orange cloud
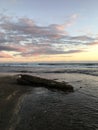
5, 55
93, 43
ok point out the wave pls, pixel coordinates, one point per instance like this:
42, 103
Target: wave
87, 72
81, 68
78, 71
66, 65
18, 64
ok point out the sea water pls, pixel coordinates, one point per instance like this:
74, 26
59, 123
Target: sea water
84, 68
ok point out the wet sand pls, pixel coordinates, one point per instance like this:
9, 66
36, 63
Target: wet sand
10, 94
31, 108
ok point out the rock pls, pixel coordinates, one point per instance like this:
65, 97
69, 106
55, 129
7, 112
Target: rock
25, 79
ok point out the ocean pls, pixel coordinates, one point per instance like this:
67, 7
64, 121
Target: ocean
84, 68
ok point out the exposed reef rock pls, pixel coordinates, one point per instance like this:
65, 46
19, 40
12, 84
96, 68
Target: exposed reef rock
24, 79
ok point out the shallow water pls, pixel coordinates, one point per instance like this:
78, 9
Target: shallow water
55, 110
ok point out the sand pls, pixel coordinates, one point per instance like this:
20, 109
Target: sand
10, 94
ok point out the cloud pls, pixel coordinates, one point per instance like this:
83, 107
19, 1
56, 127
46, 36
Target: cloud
73, 51
9, 48
83, 38
26, 38
47, 50
5, 55
74, 16
93, 43
26, 26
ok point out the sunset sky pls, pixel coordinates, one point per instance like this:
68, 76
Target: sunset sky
48, 30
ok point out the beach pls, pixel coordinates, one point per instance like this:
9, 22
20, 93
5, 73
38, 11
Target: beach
35, 108
10, 94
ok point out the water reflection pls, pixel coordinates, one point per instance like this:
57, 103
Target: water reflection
48, 110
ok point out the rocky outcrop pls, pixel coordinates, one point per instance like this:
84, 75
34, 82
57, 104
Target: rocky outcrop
24, 79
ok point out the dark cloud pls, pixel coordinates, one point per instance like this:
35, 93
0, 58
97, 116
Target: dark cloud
82, 38
48, 51
9, 48
5, 40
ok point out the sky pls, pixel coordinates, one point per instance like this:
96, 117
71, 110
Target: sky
48, 30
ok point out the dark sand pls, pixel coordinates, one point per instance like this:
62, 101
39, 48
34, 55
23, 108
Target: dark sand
10, 94
31, 108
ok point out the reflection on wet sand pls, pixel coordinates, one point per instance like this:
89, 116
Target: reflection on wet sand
31, 108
